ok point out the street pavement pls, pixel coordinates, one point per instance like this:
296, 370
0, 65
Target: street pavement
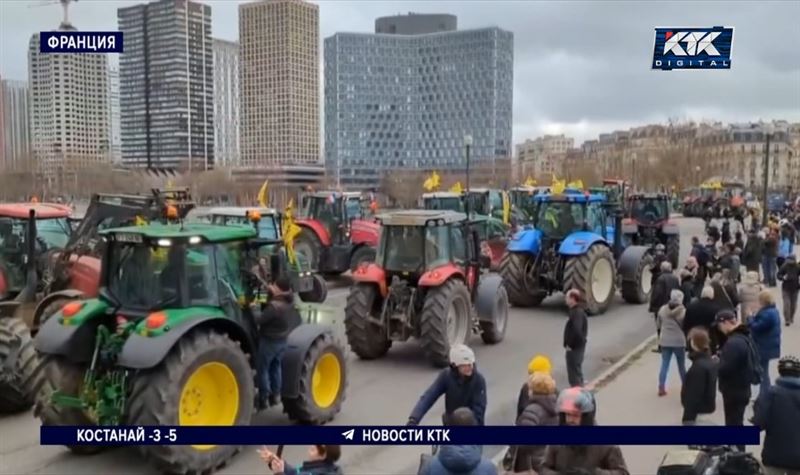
384, 391
632, 399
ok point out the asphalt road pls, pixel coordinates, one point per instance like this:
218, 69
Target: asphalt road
384, 391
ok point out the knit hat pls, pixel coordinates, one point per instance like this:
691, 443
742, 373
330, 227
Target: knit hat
540, 364
676, 297
541, 383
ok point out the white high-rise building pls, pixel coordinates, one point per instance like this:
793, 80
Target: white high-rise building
113, 112
14, 136
226, 102
69, 112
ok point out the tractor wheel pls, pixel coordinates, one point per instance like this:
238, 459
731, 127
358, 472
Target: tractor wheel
17, 366
445, 320
362, 254
322, 385
494, 331
308, 244
366, 339
205, 379
318, 293
515, 269
593, 274
56, 373
53, 307
638, 289
673, 250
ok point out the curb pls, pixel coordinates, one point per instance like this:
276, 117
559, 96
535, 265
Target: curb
603, 379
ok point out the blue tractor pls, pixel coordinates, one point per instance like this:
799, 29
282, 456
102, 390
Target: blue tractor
575, 242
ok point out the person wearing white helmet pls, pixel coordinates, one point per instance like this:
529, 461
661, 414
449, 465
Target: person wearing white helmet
461, 385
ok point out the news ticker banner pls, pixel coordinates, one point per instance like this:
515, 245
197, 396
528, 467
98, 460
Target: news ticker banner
80, 42
400, 435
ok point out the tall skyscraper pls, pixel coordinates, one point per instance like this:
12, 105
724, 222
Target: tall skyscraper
279, 62
69, 113
406, 96
226, 102
14, 136
167, 88
114, 115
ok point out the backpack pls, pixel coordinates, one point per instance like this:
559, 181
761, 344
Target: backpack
754, 362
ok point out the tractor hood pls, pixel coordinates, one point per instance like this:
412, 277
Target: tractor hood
527, 240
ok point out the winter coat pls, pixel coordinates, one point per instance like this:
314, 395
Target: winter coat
458, 392
748, 296
604, 459
540, 412
316, 467
459, 460
576, 330
785, 246
789, 273
752, 252
670, 322
765, 330
699, 390
700, 253
771, 246
688, 289
734, 370
778, 413
278, 318
664, 285
725, 295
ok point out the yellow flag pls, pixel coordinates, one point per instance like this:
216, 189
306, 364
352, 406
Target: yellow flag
140, 221
433, 182
262, 194
577, 184
530, 182
558, 186
290, 231
506, 208
456, 188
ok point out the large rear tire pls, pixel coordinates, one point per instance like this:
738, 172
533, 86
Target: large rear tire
53, 307
445, 320
363, 254
637, 290
514, 268
673, 250
56, 373
308, 244
17, 366
205, 379
367, 340
594, 274
318, 293
493, 332
322, 385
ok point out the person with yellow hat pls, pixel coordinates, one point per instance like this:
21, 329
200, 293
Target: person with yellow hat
537, 364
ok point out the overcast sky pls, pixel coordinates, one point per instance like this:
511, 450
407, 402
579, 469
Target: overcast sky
581, 68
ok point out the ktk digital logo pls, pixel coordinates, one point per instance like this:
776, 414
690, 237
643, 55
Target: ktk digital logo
693, 48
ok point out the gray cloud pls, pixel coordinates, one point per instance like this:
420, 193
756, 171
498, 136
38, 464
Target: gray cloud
580, 67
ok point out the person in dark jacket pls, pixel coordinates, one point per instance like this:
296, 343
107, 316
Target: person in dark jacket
726, 295
540, 411
576, 333
659, 296
769, 259
778, 414
461, 385
659, 256
537, 364
789, 275
702, 256
765, 330
577, 406
460, 459
730, 260
688, 287
738, 241
701, 313
753, 251
699, 390
321, 461
735, 371
275, 322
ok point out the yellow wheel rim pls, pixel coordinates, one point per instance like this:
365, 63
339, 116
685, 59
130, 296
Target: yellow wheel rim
210, 397
326, 380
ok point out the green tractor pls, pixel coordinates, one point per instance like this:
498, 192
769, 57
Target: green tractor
310, 286
171, 340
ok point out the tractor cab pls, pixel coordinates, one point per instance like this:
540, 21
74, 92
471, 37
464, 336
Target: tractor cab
649, 210
647, 223
269, 226
443, 201
334, 210
522, 201
559, 215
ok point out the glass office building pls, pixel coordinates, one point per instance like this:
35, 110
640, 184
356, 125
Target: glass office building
406, 99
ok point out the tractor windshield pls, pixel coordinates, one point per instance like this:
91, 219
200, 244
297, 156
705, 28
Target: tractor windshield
413, 248
649, 211
146, 278
557, 219
353, 208
267, 227
447, 203
479, 203
50, 234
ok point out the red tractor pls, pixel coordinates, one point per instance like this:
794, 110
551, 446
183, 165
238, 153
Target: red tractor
426, 282
336, 234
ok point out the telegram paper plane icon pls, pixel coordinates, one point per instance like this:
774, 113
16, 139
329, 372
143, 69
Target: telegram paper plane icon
348, 434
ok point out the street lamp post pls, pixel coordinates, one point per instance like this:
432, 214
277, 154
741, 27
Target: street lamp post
764, 198
468, 145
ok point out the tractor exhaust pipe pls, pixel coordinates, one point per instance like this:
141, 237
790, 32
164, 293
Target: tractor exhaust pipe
28, 294
618, 213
